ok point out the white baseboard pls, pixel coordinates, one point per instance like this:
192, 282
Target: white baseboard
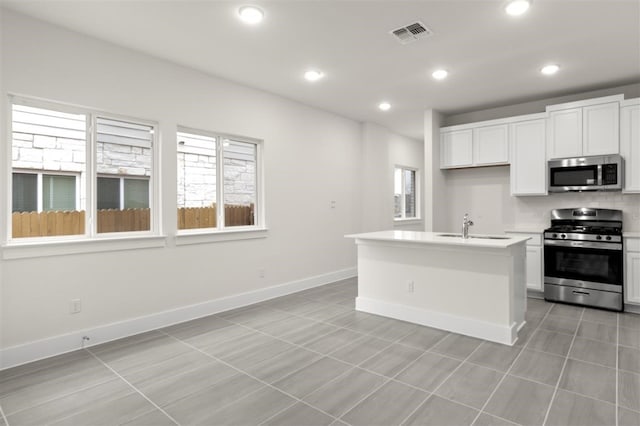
453, 323
632, 308
56, 345
535, 294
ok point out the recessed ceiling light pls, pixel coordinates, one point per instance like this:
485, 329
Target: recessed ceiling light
251, 14
440, 74
384, 106
313, 75
549, 69
517, 7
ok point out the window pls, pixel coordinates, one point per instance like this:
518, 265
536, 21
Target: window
122, 193
217, 170
58, 193
72, 168
37, 192
124, 151
405, 198
239, 173
25, 192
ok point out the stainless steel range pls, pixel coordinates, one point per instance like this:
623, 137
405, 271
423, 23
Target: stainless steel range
583, 258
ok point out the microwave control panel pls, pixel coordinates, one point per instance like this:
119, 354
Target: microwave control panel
609, 174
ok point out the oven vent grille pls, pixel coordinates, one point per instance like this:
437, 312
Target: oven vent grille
410, 33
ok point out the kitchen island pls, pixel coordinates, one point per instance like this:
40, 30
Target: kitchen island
474, 286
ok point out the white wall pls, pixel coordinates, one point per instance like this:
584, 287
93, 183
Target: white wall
435, 189
382, 151
484, 193
2, 132
311, 158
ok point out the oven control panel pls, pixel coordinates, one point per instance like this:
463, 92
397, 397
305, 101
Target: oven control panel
583, 237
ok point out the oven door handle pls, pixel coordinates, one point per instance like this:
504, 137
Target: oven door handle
583, 244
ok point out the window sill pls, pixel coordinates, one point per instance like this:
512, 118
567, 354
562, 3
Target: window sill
402, 222
199, 236
23, 250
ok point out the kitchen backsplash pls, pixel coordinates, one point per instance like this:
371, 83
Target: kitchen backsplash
535, 210
485, 194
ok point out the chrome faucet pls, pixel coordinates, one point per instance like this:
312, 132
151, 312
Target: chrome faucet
466, 222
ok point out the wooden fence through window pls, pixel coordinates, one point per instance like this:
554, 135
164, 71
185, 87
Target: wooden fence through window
52, 223
205, 217
127, 220
46, 224
196, 217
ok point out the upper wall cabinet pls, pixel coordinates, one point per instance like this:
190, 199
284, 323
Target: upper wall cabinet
565, 133
528, 161
601, 129
456, 148
630, 143
584, 128
474, 145
491, 145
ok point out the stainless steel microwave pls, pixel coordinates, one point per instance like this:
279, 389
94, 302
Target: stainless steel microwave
595, 173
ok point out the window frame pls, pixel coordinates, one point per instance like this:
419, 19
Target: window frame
90, 182
222, 232
416, 171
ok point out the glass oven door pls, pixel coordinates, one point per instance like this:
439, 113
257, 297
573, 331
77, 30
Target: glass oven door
581, 265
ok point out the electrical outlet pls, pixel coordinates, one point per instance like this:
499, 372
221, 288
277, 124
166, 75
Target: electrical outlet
75, 306
261, 273
410, 286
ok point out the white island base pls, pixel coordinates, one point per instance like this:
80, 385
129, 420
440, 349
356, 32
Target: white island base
470, 286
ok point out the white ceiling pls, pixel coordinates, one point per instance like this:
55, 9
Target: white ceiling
493, 59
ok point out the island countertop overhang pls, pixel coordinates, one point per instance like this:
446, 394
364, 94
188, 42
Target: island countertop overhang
437, 238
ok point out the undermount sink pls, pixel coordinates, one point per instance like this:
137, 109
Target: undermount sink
473, 236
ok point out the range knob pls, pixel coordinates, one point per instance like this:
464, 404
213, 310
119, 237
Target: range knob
555, 235
608, 237
599, 237
563, 235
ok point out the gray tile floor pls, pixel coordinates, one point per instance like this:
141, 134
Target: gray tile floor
311, 359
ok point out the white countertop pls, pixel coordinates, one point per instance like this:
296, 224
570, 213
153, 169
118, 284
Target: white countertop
436, 238
631, 234
526, 229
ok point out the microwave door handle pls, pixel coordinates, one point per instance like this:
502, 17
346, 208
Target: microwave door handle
599, 175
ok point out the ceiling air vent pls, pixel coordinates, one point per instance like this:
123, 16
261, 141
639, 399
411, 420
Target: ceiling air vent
411, 33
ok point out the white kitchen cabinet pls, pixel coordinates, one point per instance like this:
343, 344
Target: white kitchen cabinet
491, 145
565, 133
630, 144
528, 174
456, 148
632, 281
474, 145
588, 127
601, 129
534, 268
534, 259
